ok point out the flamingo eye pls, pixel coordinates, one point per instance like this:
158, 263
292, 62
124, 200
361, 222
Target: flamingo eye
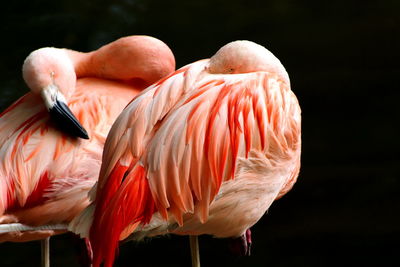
52, 73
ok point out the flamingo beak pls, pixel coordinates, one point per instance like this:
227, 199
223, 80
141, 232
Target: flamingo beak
60, 113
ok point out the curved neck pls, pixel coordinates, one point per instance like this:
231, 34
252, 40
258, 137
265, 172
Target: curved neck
137, 60
82, 63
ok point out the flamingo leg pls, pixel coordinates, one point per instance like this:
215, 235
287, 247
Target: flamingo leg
242, 244
194, 250
89, 251
45, 247
83, 250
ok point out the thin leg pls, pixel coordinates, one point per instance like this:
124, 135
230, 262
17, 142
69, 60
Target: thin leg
89, 252
83, 250
194, 249
242, 244
45, 252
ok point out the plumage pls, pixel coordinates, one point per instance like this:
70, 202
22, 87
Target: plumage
46, 174
204, 151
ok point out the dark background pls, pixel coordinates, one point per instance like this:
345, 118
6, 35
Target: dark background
343, 59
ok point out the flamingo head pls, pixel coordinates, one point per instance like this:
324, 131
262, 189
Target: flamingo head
49, 67
50, 73
244, 57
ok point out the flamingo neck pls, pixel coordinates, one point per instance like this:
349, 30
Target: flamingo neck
82, 63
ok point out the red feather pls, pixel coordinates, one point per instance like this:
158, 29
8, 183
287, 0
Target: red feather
34, 199
132, 202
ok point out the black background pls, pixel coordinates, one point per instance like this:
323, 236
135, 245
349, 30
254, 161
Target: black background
343, 60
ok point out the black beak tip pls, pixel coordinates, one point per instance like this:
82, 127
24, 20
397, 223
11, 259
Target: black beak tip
84, 134
65, 121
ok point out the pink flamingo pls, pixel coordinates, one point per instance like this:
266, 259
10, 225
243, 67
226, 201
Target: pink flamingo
205, 150
46, 173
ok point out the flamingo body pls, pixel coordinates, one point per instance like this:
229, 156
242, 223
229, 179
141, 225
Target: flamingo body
203, 151
46, 174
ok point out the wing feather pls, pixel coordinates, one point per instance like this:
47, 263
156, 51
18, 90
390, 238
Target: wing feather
31, 148
202, 137
121, 187
187, 132
220, 120
18, 123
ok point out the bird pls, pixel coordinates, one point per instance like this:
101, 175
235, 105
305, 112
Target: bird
205, 150
50, 158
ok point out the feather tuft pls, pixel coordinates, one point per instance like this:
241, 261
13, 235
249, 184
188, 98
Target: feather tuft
131, 205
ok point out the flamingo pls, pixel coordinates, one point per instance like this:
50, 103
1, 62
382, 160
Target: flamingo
45, 170
206, 150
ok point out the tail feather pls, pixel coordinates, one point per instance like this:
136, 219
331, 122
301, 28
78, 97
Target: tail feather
80, 225
132, 204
